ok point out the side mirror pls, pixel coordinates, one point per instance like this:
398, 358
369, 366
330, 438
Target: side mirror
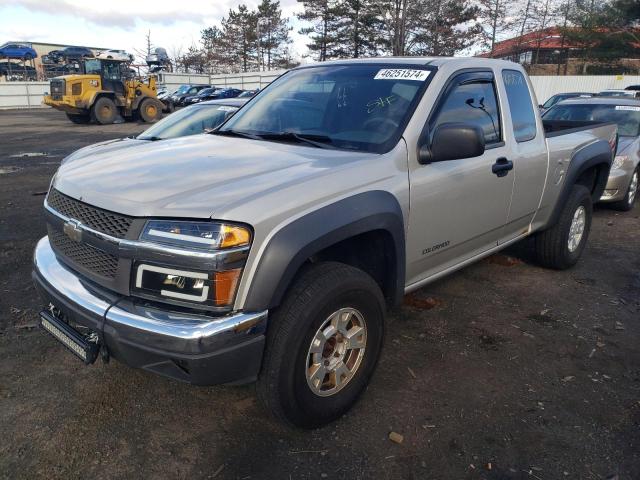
453, 141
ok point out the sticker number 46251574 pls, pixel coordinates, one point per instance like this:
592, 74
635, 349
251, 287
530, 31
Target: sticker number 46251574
402, 74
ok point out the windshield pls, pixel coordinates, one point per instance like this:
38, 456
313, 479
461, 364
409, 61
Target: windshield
92, 66
205, 91
358, 107
625, 116
188, 121
183, 88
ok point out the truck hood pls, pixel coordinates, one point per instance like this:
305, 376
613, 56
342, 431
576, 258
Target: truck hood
195, 176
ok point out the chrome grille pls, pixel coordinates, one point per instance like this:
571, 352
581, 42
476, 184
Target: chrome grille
94, 260
104, 221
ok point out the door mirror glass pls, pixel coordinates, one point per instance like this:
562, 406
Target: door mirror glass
453, 141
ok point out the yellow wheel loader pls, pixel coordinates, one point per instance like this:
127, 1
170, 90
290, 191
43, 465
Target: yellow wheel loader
105, 92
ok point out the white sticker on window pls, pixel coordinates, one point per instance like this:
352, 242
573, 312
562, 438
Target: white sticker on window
628, 107
225, 108
402, 74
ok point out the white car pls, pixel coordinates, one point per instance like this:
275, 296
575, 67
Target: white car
115, 55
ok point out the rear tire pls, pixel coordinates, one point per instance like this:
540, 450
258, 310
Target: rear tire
104, 111
560, 246
629, 199
150, 110
331, 320
79, 119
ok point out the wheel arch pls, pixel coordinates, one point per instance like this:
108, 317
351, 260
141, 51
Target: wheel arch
589, 167
365, 230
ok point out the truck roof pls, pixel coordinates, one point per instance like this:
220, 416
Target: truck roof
435, 61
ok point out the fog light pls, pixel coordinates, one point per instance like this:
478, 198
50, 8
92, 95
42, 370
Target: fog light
609, 193
172, 283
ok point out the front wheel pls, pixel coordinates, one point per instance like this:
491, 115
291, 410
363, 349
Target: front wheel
150, 110
627, 202
560, 246
104, 111
322, 346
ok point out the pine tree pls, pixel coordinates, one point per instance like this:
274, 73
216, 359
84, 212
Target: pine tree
324, 17
238, 40
273, 33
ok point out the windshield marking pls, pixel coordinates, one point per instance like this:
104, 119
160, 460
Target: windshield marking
380, 102
402, 74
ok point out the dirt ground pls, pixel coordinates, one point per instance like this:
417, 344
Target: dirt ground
501, 371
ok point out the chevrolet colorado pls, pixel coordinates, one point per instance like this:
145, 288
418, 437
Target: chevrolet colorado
270, 249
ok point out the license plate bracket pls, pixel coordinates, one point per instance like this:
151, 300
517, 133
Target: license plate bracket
82, 346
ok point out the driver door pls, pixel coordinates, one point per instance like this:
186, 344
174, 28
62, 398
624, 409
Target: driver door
458, 208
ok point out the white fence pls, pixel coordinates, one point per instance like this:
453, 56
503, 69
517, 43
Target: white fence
546, 86
22, 94
29, 94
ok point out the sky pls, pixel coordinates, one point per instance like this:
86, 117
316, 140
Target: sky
123, 24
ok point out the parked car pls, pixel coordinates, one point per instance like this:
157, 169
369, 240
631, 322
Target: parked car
213, 94
249, 93
115, 55
562, 96
181, 94
619, 93
159, 56
17, 50
271, 249
75, 53
622, 185
633, 87
198, 97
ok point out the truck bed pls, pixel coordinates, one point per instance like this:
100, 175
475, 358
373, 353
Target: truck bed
554, 128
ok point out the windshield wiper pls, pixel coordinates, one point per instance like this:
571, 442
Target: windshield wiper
236, 133
151, 139
319, 141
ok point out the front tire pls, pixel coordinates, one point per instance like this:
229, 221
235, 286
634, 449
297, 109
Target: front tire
323, 345
627, 202
104, 111
560, 246
150, 110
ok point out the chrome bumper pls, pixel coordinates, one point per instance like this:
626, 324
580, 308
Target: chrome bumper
190, 347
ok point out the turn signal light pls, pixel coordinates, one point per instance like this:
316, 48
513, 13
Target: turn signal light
234, 236
226, 284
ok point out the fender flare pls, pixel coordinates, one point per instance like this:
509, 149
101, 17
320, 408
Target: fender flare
597, 153
297, 241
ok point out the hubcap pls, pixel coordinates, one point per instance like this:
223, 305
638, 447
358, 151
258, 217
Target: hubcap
633, 188
336, 352
577, 228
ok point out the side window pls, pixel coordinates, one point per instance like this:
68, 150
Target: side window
111, 71
471, 101
522, 116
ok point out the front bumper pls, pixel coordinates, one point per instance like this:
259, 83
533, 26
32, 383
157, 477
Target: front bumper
617, 184
67, 104
194, 348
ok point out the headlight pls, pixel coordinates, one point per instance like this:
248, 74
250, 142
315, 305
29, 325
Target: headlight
619, 161
188, 286
196, 235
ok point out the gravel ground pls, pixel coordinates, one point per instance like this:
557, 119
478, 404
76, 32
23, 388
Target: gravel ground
503, 370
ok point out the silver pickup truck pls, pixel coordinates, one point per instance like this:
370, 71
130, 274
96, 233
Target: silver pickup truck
270, 249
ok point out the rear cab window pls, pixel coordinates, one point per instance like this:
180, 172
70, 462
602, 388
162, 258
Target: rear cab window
523, 117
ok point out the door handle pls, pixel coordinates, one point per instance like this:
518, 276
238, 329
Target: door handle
502, 167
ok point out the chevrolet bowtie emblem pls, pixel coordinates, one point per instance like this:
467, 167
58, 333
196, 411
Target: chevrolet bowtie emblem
72, 230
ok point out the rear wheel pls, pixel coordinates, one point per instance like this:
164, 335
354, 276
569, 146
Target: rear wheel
322, 346
560, 246
150, 110
79, 119
104, 111
627, 202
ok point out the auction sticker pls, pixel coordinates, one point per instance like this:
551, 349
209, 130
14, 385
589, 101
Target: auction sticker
224, 108
628, 107
402, 74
